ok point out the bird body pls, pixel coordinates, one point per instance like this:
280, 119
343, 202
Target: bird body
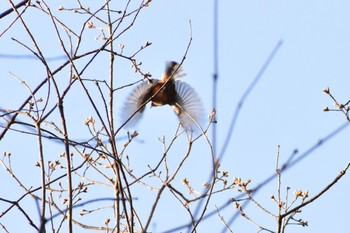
167, 95
169, 90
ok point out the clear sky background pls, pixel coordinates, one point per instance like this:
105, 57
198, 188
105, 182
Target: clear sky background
283, 108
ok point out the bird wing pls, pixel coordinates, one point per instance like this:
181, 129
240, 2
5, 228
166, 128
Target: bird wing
188, 106
139, 95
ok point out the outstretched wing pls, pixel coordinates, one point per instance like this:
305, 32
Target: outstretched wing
133, 102
188, 106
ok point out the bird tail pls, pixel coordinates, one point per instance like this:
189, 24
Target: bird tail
173, 70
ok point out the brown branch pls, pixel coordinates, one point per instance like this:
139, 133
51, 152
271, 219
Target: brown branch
337, 178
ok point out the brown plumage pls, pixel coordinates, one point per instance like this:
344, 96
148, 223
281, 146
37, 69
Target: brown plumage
179, 95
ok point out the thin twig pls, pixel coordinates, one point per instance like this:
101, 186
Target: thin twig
331, 184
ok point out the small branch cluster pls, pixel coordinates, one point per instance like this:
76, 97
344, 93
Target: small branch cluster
284, 215
339, 107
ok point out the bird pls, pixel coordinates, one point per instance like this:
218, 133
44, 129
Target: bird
168, 90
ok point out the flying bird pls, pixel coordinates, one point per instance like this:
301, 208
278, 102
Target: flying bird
169, 90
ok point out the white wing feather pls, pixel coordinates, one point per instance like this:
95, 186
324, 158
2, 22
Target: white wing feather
133, 103
188, 106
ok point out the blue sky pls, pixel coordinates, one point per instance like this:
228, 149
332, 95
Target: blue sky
284, 107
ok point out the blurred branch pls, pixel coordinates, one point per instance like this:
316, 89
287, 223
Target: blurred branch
14, 7
16, 203
245, 96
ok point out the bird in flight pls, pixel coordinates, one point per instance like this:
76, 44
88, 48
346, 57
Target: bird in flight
169, 90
